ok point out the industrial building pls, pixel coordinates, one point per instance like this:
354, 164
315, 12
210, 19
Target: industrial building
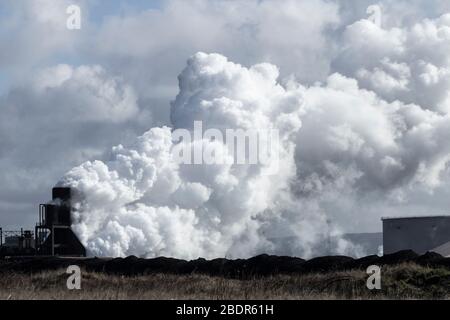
420, 234
14, 243
52, 234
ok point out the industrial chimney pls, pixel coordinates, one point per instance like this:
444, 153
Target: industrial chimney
54, 235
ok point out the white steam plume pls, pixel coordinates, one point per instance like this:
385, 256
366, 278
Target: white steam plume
336, 140
143, 202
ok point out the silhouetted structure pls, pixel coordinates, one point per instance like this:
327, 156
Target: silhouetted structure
16, 243
54, 235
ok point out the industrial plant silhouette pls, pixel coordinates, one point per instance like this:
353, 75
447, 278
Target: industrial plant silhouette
53, 235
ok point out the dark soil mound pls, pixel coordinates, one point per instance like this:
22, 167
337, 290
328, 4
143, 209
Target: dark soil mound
399, 257
363, 263
266, 265
37, 264
326, 264
134, 266
429, 259
262, 265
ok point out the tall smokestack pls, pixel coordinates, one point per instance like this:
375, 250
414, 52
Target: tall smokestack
54, 233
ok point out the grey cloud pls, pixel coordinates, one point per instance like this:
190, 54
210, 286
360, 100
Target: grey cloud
56, 120
385, 148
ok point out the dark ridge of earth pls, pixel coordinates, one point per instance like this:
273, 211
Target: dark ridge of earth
262, 265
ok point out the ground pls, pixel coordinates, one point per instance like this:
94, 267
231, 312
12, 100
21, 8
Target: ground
402, 281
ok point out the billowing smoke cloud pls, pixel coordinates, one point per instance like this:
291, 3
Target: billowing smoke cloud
380, 126
336, 139
59, 117
144, 202
363, 120
409, 64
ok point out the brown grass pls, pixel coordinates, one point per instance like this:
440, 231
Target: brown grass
399, 282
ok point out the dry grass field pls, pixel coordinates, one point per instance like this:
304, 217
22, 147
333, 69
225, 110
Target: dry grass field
406, 281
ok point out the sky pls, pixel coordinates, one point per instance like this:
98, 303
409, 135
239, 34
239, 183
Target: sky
373, 78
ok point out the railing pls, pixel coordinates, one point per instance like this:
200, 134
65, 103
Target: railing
23, 237
42, 214
15, 233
